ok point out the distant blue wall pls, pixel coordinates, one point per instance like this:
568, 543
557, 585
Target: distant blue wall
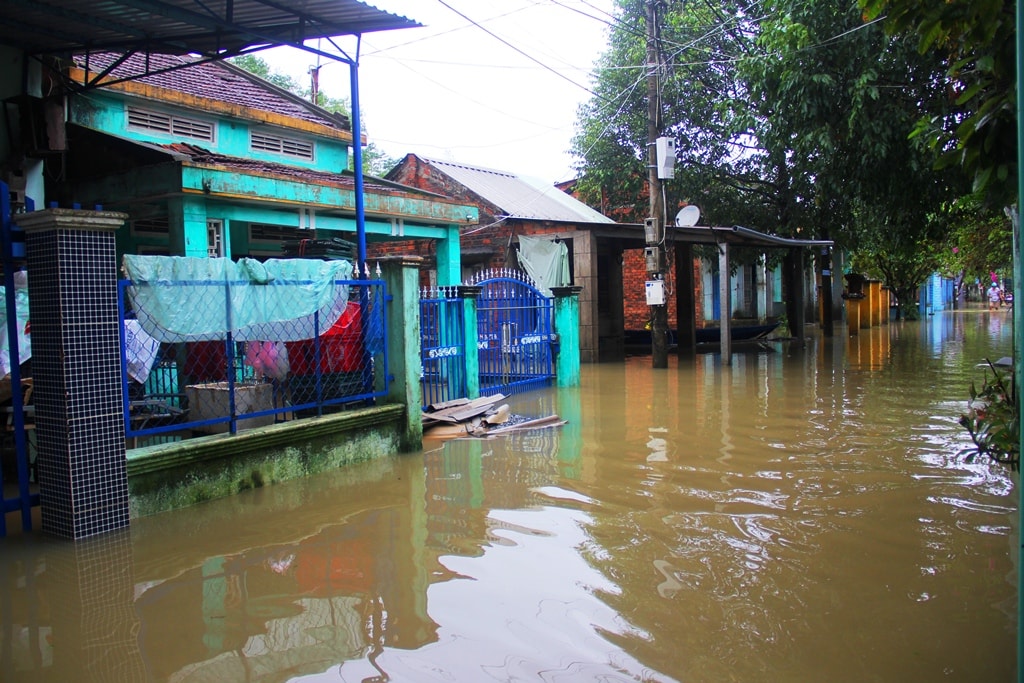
936, 294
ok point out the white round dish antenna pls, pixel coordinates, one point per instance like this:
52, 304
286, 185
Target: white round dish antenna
687, 216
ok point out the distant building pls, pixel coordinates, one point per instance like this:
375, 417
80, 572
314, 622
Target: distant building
512, 205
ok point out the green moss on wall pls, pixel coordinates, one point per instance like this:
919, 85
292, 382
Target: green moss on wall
193, 474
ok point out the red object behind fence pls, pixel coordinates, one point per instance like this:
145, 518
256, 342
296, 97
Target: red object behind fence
341, 349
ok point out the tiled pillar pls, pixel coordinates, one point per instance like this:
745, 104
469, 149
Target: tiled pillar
76, 368
97, 633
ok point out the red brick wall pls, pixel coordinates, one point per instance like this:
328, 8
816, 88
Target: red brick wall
636, 311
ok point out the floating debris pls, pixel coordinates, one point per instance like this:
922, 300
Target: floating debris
479, 418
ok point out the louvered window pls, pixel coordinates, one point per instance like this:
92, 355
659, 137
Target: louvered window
150, 226
262, 232
278, 145
145, 119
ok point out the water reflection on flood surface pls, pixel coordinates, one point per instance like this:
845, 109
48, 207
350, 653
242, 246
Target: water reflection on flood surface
798, 516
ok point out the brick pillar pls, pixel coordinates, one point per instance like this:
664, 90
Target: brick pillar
76, 368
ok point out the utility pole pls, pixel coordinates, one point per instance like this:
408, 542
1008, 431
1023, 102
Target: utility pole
654, 228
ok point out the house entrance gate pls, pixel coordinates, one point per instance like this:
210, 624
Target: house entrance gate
514, 338
515, 330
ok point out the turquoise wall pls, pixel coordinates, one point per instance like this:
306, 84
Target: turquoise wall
107, 111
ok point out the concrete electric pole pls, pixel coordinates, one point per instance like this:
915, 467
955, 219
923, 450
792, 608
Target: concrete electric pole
654, 228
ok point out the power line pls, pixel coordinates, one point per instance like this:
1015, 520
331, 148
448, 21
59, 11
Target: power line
521, 52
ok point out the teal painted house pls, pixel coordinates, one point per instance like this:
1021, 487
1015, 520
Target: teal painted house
209, 160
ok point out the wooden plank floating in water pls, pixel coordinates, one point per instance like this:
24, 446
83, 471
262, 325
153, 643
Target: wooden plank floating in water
463, 412
549, 421
461, 418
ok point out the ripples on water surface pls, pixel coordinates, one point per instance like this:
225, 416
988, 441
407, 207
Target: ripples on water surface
794, 517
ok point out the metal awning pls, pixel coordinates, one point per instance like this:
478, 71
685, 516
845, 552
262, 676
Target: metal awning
205, 27
738, 236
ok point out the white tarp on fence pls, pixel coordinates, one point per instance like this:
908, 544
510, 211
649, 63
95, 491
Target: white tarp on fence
180, 298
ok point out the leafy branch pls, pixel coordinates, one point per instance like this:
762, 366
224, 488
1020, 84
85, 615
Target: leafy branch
992, 419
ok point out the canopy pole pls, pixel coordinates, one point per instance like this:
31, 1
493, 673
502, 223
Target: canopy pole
357, 165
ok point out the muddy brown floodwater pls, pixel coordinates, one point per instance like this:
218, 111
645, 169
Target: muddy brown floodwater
798, 516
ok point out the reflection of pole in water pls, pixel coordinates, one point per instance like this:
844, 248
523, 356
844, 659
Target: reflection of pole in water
725, 373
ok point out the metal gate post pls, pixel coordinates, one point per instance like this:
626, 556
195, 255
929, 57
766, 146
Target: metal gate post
471, 354
567, 331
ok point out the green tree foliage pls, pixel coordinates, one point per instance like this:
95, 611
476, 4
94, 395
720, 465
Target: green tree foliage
790, 117
255, 64
977, 42
979, 241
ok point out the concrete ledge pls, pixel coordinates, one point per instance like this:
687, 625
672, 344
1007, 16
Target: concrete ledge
169, 476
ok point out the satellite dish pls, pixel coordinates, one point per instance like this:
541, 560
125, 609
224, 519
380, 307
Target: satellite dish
687, 216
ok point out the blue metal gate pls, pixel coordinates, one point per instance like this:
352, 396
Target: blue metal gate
515, 327
442, 345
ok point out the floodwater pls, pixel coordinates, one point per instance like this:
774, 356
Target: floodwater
798, 516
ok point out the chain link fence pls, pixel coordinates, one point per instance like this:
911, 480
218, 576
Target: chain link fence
203, 357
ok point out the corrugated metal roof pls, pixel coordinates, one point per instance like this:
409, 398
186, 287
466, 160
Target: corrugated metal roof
208, 27
739, 236
520, 196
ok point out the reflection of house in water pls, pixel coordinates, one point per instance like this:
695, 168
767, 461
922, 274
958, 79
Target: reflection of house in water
250, 600
299, 607
477, 475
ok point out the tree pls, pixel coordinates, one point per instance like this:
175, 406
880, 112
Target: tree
977, 41
789, 116
979, 242
255, 64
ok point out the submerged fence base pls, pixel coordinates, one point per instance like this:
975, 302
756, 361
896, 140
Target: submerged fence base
180, 474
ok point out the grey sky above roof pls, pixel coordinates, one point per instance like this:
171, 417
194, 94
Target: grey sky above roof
66, 27
520, 196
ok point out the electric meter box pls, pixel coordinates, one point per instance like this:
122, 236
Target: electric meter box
651, 232
665, 149
652, 259
655, 292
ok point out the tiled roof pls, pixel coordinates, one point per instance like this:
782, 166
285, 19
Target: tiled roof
520, 196
204, 157
214, 81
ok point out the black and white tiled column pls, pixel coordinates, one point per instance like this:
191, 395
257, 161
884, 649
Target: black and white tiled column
76, 368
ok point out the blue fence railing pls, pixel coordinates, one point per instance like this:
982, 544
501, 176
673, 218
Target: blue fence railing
182, 384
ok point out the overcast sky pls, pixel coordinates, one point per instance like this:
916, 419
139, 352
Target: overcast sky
452, 90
